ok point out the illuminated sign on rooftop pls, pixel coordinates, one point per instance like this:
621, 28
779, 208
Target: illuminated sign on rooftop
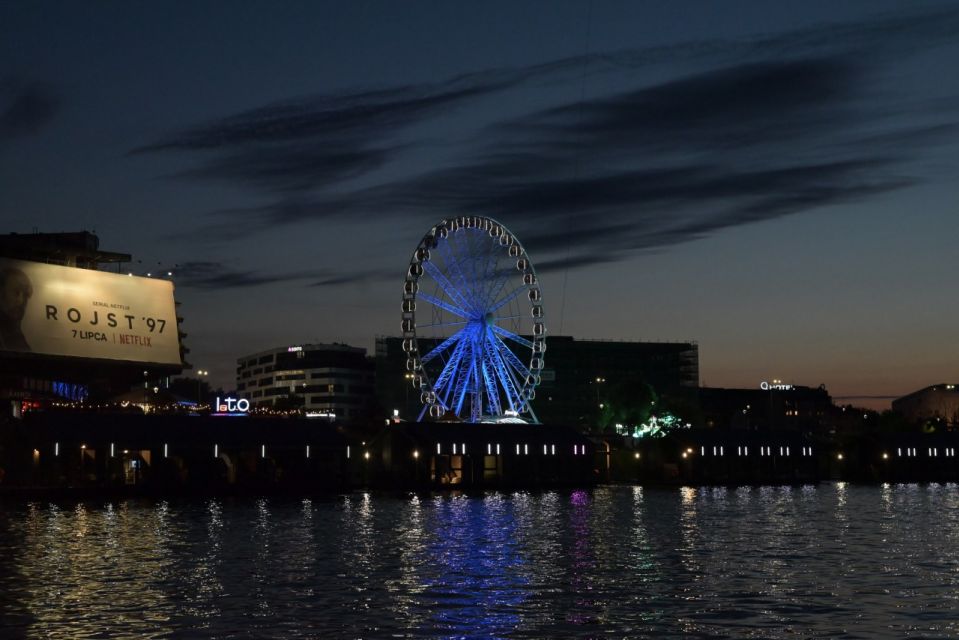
775, 385
232, 407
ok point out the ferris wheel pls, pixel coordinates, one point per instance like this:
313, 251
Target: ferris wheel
473, 323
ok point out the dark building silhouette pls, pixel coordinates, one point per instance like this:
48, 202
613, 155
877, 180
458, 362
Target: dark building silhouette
79, 249
774, 408
939, 403
573, 378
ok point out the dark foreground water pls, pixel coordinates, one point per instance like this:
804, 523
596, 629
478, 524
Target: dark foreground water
833, 560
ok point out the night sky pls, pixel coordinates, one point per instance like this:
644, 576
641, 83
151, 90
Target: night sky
776, 181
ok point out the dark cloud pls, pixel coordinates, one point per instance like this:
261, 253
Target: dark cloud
574, 262
25, 108
310, 143
336, 117
744, 105
642, 214
800, 198
216, 275
576, 232
362, 277
290, 168
772, 126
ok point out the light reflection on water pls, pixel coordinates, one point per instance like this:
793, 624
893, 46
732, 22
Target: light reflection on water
815, 561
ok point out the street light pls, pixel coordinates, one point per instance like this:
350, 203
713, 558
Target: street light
199, 381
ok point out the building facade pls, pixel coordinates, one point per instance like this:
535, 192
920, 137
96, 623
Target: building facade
768, 407
939, 403
335, 380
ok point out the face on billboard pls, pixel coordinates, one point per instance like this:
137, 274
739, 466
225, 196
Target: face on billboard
15, 292
64, 311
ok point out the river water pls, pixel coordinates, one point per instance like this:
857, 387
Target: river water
830, 560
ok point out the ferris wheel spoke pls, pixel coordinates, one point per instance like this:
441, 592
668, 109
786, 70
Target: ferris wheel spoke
445, 284
463, 384
458, 323
436, 302
457, 279
448, 370
513, 360
506, 300
447, 392
512, 336
443, 346
497, 286
472, 266
486, 273
453, 265
492, 393
499, 275
505, 376
476, 390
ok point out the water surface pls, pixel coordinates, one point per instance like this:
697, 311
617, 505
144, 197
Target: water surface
833, 560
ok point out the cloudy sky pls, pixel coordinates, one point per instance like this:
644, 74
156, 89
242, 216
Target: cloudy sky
777, 181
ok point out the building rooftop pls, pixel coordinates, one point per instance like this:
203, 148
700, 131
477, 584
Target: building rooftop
73, 249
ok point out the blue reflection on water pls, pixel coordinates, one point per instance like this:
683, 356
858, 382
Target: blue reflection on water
476, 575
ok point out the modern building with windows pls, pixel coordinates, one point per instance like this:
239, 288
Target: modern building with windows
334, 380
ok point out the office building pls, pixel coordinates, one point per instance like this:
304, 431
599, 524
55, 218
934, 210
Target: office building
332, 380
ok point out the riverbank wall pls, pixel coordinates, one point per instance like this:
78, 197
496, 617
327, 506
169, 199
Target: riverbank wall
129, 454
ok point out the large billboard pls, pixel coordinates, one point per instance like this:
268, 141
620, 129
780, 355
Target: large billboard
62, 311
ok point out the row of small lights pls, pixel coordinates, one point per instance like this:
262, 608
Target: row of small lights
521, 449
932, 452
113, 450
166, 450
764, 451
461, 449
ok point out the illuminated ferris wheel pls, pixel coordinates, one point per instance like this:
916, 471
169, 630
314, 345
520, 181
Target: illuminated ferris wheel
473, 323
